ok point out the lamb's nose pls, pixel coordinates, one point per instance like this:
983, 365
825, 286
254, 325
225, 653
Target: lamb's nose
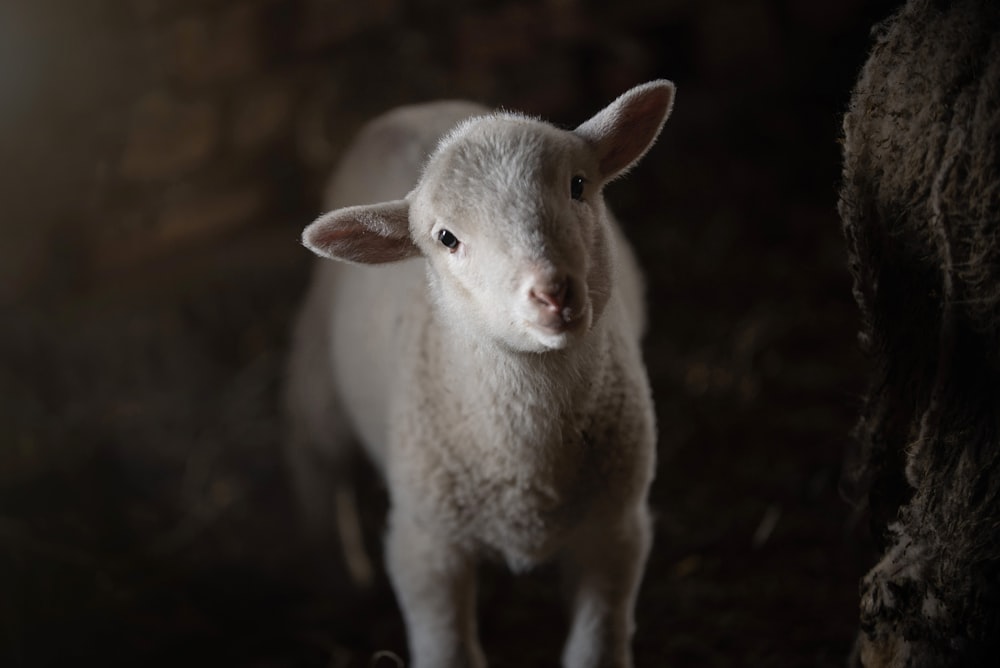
552, 296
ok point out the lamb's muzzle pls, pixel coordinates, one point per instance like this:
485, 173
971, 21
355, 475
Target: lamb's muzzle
557, 302
551, 296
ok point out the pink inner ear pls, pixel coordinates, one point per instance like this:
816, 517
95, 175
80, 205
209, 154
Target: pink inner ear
635, 128
368, 234
356, 243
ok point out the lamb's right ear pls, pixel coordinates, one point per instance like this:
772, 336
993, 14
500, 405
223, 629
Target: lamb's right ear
370, 234
622, 132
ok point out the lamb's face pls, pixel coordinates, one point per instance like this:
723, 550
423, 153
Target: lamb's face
510, 216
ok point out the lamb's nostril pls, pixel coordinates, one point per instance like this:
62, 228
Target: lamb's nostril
552, 296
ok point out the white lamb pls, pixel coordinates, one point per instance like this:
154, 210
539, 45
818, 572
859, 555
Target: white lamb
489, 362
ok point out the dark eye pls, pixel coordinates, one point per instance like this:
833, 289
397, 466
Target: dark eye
576, 187
448, 239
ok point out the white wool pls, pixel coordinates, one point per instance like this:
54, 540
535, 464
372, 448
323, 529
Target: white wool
498, 385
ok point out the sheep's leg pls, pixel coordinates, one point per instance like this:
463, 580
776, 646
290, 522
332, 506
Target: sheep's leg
604, 566
326, 498
435, 585
313, 419
318, 445
312, 480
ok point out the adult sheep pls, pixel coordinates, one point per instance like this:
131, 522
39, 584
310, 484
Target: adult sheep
920, 204
490, 364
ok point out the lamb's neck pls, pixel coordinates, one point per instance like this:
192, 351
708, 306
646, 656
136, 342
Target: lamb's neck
558, 379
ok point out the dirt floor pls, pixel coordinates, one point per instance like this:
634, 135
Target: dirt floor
145, 518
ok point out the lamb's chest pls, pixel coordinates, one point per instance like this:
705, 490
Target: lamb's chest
525, 519
520, 499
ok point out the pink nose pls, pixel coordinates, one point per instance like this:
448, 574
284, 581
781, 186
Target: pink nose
552, 296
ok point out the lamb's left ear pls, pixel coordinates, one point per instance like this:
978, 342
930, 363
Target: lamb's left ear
622, 132
370, 234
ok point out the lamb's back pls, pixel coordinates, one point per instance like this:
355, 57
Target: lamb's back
384, 161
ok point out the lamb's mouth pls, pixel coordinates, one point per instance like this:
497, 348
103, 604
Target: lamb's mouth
561, 323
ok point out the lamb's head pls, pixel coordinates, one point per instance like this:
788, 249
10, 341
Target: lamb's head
510, 217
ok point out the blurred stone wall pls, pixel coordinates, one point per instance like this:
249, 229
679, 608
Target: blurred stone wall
132, 130
135, 130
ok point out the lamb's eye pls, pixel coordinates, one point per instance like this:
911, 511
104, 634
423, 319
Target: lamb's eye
576, 187
448, 239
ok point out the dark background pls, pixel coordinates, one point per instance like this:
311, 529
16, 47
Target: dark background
157, 163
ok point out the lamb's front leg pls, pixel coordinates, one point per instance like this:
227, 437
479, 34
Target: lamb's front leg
435, 584
604, 566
